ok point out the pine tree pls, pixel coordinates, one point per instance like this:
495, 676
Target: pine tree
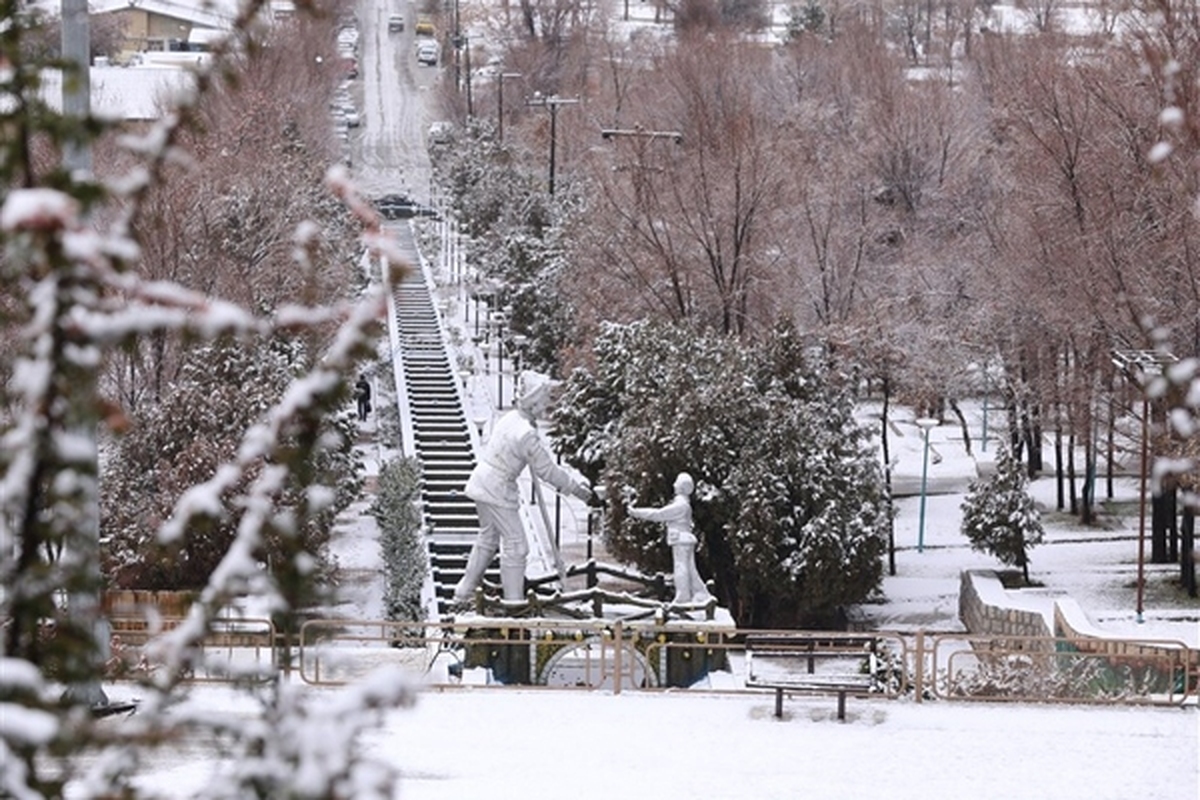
999, 516
789, 506
223, 388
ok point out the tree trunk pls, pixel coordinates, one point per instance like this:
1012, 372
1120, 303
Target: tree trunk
1035, 441
1014, 430
1111, 445
1187, 558
1059, 472
1162, 519
1087, 513
1072, 476
962, 424
1173, 527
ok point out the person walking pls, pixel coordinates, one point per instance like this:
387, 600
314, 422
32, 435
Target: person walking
362, 393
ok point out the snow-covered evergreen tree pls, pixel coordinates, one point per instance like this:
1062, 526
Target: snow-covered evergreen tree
223, 388
789, 507
1000, 517
517, 238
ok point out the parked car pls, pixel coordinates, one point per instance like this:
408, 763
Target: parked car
400, 206
440, 132
395, 23
427, 53
347, 39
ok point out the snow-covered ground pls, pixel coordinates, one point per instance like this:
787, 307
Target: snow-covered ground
530, 745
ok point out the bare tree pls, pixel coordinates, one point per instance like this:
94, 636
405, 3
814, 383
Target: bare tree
687, 227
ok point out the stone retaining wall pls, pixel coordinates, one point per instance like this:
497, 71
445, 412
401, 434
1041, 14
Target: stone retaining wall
986, 608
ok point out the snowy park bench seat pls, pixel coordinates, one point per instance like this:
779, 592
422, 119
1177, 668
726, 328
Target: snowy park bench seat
811, 663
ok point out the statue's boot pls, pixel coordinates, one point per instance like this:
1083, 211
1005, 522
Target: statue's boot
477, 564
512, 580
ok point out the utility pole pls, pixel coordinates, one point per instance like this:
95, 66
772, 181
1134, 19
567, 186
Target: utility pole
84, 606
462, 55
1142, 367
500, 104
552, 102
77, 85
641, 137
454, 40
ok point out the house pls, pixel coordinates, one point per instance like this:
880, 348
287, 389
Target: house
167, 25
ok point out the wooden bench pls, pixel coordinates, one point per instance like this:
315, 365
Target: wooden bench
815, 663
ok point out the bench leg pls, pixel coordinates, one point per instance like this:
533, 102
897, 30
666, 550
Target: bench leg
842, 706
779, 704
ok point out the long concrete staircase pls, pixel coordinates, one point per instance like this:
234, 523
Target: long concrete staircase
435, 429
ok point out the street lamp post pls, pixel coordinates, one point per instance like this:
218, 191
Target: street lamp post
520, 342
925, 424
498, 320
983, 435
552, 103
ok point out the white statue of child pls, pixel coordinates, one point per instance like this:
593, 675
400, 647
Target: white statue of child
677, 515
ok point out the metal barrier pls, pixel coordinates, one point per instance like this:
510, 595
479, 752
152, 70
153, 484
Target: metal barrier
1060, 670
597, 654
590, 654
583, 654
233, 648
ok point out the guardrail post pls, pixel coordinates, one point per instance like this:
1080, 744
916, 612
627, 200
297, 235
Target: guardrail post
919, 666
619, 643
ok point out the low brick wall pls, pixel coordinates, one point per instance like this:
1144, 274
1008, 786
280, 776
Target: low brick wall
1072, 624
986, 608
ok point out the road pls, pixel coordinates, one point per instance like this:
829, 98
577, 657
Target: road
389, 152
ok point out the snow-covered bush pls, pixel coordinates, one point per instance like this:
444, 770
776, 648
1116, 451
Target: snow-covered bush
222, 389
397, 510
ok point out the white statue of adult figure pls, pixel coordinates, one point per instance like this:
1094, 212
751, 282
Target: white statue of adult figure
513, 446
677, 515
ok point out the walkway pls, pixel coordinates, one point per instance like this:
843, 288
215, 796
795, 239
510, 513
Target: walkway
434, 427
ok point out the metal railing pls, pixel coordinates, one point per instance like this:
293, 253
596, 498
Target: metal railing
617, 656
1060, 670
234, 648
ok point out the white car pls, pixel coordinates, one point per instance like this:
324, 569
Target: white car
427, 53
440, 132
